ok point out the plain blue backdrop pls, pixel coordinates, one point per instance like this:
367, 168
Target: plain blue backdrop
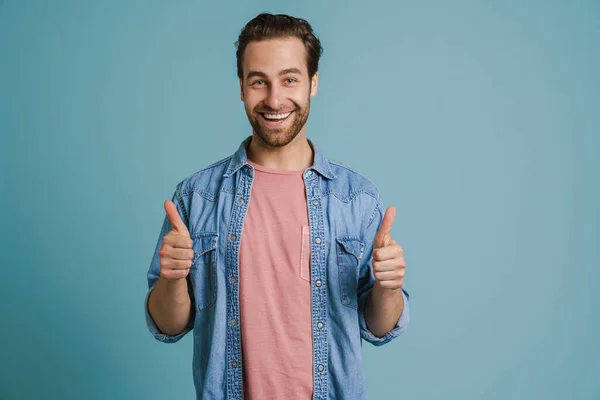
478, 120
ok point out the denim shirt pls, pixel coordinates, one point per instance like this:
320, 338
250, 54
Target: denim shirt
344, 210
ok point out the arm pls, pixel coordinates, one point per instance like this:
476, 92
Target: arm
383, 309
169, 305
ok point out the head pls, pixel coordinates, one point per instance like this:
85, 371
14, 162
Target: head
277, 63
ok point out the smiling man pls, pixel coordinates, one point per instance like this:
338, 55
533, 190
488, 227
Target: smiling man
279, 260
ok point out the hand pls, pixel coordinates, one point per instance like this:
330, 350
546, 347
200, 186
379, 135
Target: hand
176, 252
389, 266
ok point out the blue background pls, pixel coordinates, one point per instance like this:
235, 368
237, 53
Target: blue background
478, 120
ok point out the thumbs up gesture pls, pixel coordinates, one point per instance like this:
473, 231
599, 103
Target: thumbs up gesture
388, 257
176, 253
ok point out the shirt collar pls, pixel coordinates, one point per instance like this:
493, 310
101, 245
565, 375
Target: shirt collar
239, 159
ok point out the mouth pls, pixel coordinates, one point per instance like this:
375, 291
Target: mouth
275, 119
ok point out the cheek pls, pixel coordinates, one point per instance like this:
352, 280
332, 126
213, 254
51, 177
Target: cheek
249, 104
251, 99
300, 100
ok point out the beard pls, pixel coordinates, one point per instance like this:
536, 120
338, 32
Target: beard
278, 137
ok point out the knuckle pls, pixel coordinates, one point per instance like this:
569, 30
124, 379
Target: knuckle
165, 274
376, 254
166, 264
182, 273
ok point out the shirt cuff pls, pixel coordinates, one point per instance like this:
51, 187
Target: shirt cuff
400, 327
156, 332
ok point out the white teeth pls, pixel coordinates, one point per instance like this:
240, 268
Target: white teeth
276, 116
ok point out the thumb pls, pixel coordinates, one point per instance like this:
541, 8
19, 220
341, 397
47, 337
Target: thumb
173, 215
383, 235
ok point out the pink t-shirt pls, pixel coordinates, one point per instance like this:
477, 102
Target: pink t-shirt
275, 294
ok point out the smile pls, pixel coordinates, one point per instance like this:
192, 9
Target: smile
275, 117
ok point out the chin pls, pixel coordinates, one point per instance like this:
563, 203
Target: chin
277, 138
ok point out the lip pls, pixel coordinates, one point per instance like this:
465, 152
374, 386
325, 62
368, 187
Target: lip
273, 124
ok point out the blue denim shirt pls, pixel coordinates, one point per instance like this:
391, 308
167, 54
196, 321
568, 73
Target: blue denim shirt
345, 211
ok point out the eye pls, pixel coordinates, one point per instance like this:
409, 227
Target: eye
291, 80
258, 82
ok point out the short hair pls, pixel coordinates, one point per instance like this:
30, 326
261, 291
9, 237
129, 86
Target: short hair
269, 26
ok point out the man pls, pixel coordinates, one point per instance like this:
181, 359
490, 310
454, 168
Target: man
279, 260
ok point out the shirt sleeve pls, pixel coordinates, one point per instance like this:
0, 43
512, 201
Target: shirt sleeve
367, 280
154, 273
400, 327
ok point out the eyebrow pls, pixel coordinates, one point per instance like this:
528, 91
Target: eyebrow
260, 74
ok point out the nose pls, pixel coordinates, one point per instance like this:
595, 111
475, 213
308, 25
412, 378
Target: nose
273, 99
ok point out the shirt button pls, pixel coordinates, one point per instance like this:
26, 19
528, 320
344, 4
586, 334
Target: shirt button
232, 237
241, 201
318, 282
320, 325
232, 279
320, 367
233, 321
315, 202
318, 240
309, 172
234, 364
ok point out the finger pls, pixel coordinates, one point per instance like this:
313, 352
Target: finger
169, 263
387, 253
382, 238
176, 253
392, 285
177, 240
387, 265
175, 219
173, 274
389, 275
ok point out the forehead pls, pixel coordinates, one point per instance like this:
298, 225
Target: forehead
273, 55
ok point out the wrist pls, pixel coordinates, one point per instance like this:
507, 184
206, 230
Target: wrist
175, 289
385, 292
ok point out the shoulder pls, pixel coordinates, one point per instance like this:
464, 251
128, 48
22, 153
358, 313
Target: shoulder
349, 183
205, 182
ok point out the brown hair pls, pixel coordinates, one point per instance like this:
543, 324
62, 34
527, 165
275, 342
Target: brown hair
269, 26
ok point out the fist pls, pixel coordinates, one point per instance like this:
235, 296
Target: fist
176, 253
389, 266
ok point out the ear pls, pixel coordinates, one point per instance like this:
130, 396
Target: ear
241, 89
314, 84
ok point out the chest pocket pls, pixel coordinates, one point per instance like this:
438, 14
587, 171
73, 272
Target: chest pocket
349, 253
203, 273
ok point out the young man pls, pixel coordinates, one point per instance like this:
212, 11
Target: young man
279, 260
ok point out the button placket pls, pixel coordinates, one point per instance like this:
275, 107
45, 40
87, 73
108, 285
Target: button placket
234, 356
318, 276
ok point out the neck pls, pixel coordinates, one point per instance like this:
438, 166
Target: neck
296, 155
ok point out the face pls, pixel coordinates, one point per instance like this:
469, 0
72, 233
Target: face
276, 89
